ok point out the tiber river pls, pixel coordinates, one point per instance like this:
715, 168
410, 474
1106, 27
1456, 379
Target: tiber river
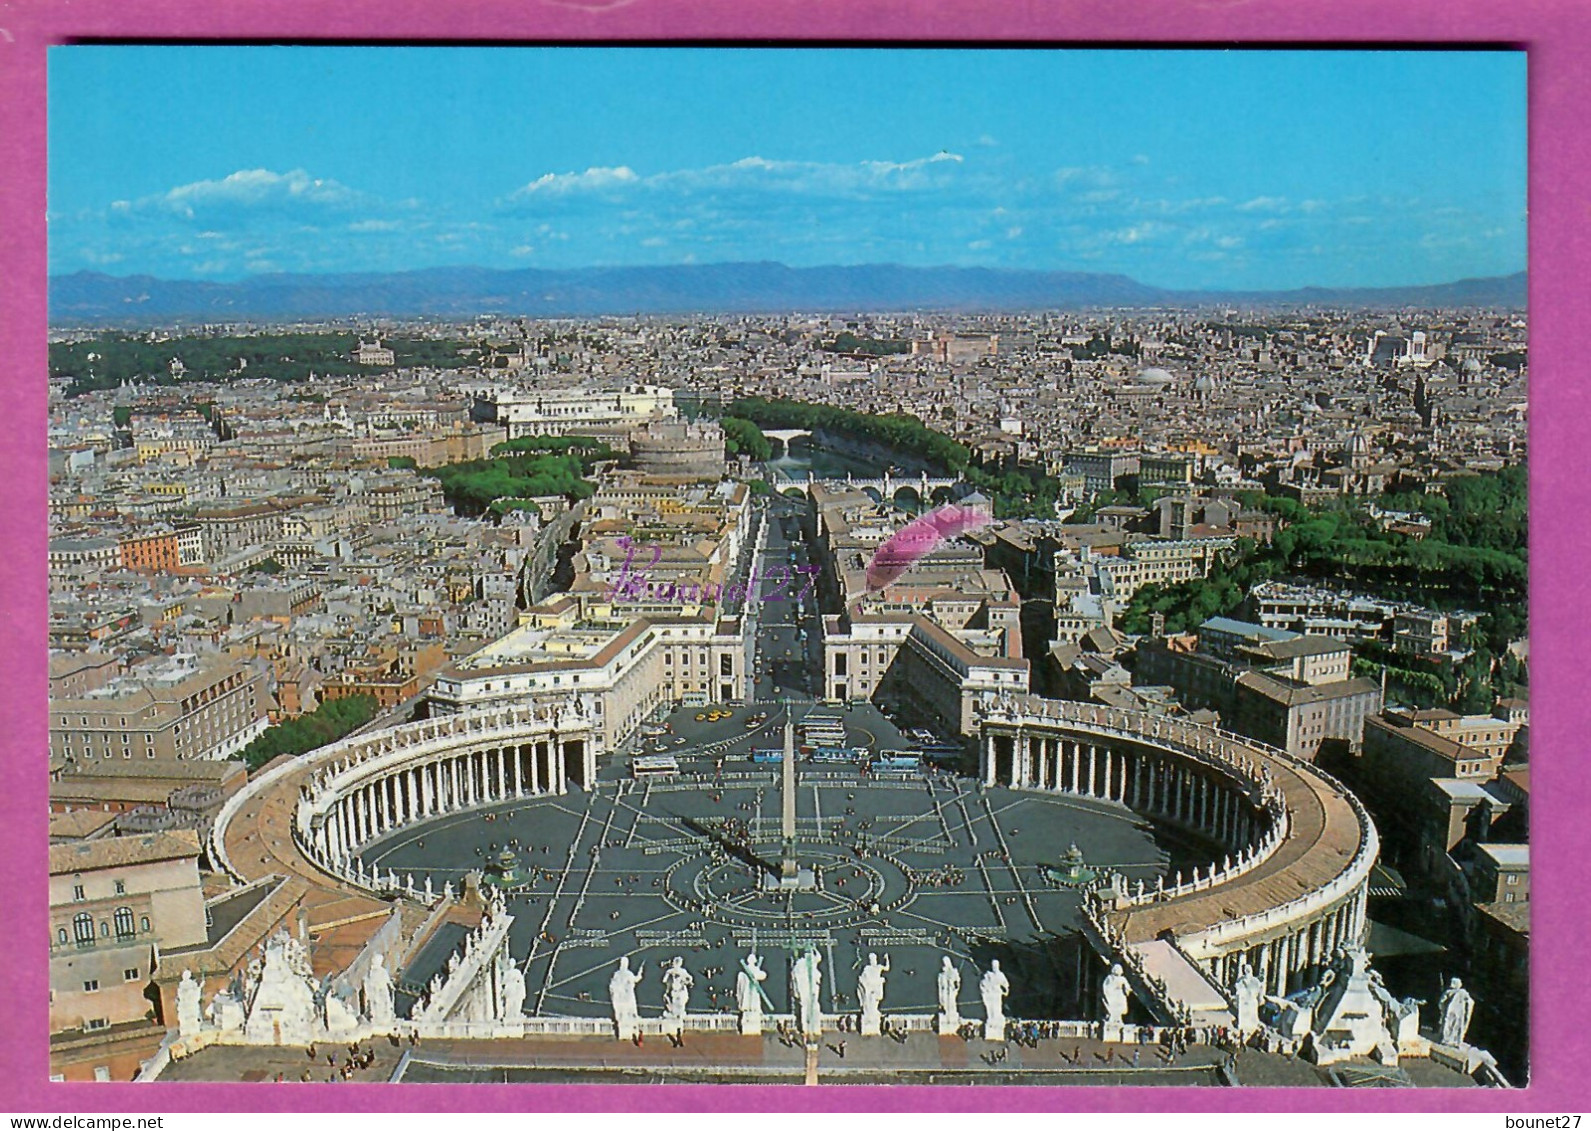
803, 457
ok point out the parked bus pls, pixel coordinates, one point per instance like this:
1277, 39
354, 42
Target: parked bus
824, 737
654, 766
833, 754
768, 754
897, 762
825, 727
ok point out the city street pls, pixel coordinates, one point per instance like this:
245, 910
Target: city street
789, 644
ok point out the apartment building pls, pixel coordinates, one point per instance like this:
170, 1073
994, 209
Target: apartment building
176, 708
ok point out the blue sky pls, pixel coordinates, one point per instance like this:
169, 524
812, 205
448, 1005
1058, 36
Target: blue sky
1213, 169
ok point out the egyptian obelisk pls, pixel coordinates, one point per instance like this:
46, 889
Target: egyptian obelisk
787, 818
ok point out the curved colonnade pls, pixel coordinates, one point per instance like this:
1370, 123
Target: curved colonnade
346, 795
1285, 886
1292, 849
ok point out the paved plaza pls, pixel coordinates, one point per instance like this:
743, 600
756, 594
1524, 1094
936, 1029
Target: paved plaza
914, 866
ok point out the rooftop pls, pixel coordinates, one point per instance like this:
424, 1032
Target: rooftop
1506, 855
1246, 628
120, 852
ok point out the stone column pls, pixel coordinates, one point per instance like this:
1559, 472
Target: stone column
1076, 758
519, 770
1107, 792
1093, 762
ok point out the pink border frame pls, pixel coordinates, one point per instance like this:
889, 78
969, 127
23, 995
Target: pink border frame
1556, 33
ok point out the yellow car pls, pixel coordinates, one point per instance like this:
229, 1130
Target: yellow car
701, 718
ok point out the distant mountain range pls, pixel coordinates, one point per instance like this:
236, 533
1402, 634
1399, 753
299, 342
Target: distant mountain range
454, 292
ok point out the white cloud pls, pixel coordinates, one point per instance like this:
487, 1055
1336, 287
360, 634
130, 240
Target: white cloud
596, 177
1138, 233
256, 187
1264, 204
752, 174
374, 226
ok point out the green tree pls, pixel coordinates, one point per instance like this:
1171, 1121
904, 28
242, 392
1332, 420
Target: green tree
333, 719
743, 437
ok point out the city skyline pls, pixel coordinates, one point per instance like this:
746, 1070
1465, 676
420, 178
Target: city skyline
1342, 168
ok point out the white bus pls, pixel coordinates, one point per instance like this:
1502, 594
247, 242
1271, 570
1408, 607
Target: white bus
654, 765
824, 736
